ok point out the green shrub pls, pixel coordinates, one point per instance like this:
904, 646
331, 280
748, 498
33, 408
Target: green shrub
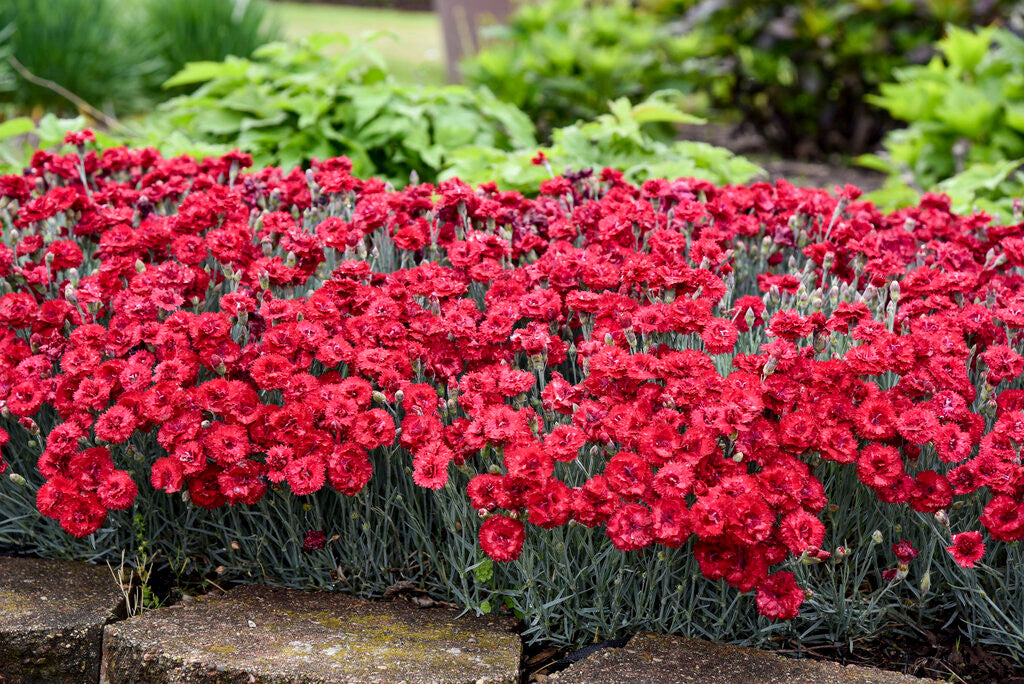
564, 60
619, 140
800, 72
185, 31
89, 47
965, 106
291, 103
965, 123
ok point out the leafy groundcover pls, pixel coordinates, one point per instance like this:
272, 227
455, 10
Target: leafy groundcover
750, 413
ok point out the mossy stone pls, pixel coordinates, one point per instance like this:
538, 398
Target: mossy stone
52, 614
678, 660
265, 634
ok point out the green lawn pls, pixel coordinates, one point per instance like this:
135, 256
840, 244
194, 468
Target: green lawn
415, 52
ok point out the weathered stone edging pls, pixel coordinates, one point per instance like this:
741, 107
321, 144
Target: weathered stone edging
264, 634
57, 623
678, 660
52, 615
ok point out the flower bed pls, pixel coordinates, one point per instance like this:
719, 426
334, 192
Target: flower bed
620, 386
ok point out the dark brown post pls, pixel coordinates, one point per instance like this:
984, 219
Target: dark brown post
461, 21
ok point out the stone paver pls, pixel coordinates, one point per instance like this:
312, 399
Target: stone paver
678, 660
263, 634
52, 615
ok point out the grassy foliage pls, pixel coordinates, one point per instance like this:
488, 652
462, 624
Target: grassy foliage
185, 31
94, 48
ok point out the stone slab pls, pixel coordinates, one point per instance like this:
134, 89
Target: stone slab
264, 634
52, 614
678, 660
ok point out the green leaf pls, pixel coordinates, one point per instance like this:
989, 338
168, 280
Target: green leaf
51, 129
965, 49
17, 126
455, 127
200, 72
367, 104
484, 571
219, 122
660, 112
485, 607
1014, 116
966, 110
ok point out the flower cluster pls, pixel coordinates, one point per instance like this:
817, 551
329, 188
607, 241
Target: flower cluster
675, 363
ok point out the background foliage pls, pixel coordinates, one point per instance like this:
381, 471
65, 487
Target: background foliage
564, 60
621, 139
291, 103
114, 55
799, 72
965, 122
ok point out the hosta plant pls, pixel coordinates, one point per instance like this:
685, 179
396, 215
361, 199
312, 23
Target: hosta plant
292, 103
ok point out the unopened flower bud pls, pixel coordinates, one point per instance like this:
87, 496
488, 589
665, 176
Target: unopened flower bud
379, 397
139, 266
876, 537
942, 518
926, 582
16, 479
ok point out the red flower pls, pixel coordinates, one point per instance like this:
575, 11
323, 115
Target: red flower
430, 466
967, 549
79, 138
80, 516
167, 475
117, 491
502, 538
905, 551
800, 530
116, 425
631, 527
549, 504
306, 474
779, 597
879, 466
314, 541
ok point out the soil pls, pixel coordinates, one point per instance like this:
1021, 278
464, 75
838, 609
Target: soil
939, 655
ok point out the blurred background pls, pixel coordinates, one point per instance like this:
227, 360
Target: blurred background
897, 96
